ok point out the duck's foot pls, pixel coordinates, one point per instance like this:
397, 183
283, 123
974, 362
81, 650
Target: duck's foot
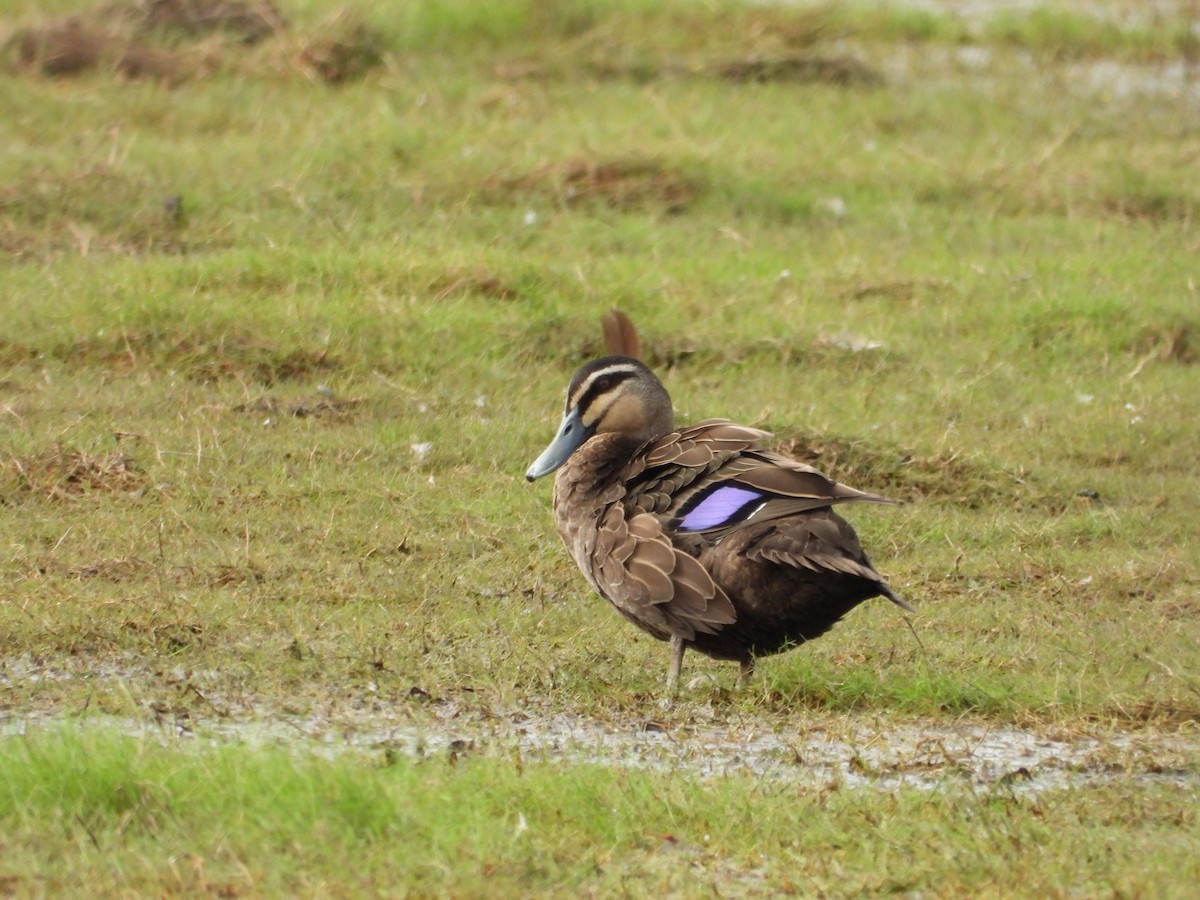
745, 670
677, 648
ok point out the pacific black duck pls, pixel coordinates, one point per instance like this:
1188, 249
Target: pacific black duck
699, 536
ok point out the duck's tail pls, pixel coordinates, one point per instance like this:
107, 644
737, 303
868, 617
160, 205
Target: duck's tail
894, 597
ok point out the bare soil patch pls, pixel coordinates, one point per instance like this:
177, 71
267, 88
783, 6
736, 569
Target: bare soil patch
249, 22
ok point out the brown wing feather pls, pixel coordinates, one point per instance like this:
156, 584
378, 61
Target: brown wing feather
818, 542
705, 441
653, 582
671, 470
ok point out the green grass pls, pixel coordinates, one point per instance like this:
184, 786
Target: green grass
212, 509
182, 819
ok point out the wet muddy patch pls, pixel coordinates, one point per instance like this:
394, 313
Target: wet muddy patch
699, 733
810, 749
853, 752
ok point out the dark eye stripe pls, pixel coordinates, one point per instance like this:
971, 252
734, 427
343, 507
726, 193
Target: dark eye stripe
601, 385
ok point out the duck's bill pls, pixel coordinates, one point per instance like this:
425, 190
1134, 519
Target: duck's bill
571, 433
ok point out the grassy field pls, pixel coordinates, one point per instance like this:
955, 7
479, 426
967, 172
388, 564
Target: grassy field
287, 314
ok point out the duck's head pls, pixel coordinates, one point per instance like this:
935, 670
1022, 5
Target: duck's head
615, 394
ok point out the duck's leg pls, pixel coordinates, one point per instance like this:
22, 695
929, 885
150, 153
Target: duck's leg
677, 648
745, 670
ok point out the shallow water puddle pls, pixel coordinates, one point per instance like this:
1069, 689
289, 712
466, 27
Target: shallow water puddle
691, 735
842, 752
849, 752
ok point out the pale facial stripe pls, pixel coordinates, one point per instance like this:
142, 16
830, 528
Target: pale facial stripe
619, 369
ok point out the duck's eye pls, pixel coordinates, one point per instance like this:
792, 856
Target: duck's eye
603, 383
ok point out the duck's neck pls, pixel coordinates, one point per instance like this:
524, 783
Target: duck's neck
594, 471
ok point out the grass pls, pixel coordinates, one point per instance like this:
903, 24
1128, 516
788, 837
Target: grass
220, 819
284, 325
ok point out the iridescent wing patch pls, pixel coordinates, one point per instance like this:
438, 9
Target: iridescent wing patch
720, 506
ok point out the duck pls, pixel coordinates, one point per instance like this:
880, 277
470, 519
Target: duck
700, 536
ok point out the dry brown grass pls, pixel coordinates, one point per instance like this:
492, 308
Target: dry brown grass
480, 283
205, 358
176, 40
345, 49
248, 22
902, 475
61, 474
617, 183
843, 71
329, 407
75, 46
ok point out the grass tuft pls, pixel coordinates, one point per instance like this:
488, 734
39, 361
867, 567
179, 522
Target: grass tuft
622, 184
62, 474
843, 71
947, 475
347, 49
